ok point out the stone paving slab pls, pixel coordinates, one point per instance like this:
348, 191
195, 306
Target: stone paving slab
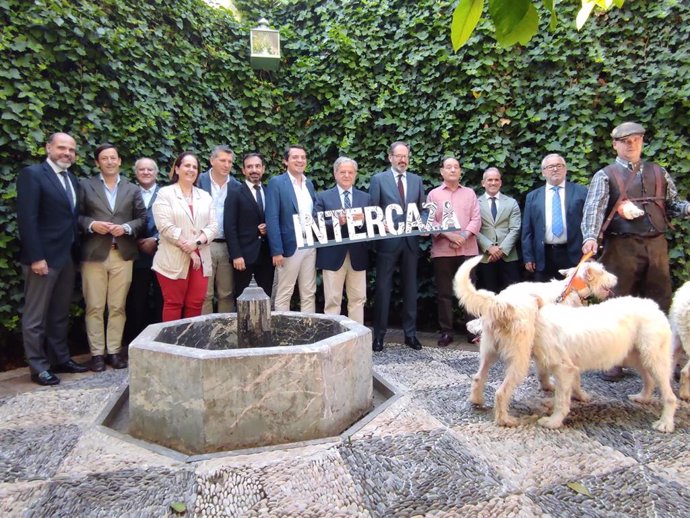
428, 454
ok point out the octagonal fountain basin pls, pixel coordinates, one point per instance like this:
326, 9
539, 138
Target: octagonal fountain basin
192, 388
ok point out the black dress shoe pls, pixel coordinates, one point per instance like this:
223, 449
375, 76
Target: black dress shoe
377, 345
45, 378
445, 340
70, 366
411, 341
117, 361
98, 363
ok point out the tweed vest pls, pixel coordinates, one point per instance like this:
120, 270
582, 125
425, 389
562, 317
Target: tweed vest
646, 190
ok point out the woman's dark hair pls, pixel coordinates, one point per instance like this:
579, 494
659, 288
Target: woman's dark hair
173, 174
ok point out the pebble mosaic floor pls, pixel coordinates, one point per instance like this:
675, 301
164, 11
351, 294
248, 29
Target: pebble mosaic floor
429, 454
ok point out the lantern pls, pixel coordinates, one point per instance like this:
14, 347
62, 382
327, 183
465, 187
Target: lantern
264, 44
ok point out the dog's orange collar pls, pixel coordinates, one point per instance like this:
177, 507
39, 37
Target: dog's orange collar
575, 284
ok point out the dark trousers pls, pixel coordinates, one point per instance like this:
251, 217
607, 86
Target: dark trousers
556, 258
144, 303
444, 271
498, 275
641, 265
386, 261
263, 275
45, 318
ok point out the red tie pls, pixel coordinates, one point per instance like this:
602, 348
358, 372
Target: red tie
401, 189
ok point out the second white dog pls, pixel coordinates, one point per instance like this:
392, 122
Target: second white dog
680, 324
627, 331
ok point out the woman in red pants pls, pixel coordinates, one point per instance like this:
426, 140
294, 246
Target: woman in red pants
186, 222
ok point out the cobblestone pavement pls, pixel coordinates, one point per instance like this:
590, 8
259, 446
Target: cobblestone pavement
428, 454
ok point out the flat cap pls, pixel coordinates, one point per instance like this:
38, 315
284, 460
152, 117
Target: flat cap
627, 128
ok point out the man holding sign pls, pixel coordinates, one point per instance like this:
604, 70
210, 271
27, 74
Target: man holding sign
400, 187
449, 249
346, 264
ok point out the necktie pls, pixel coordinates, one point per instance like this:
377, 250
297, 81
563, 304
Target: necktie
401, 189
259, 200
68, 190
556, 214
493, 207
347, 203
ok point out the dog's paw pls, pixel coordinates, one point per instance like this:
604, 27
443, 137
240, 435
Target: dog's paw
640, 398
507, 421
476, 400
581, 395
550, 422
547, 386
663, 426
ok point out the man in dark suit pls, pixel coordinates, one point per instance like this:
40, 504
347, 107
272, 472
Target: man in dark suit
498, 235
396, 186
245, 227
112, 215
47, 219
551, 235
217, 181
144, 300
344, 264
289, 194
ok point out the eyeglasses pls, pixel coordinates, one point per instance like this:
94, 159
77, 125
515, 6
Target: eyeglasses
401, 157
553, 167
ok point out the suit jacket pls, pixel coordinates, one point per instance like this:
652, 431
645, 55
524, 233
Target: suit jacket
534, 224
504, 231
93, 206
241, 220
281, 205
47, 223
174, 220
145, 260
383, 191
332, 257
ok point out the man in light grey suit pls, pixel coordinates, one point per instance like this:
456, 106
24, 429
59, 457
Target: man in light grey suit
112, 216
396, 186
498, 235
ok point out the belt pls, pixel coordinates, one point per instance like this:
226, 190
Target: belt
113, 245
219, 240
560, 245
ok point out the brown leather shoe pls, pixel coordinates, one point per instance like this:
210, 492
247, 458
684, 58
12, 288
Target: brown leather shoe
613, 374
98, 363
445, 340
117, 361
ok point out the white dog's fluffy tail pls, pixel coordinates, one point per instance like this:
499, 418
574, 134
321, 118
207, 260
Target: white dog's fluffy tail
477, 302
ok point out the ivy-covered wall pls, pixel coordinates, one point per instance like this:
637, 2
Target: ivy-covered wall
157, 77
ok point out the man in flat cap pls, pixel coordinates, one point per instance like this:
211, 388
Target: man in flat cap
627, 209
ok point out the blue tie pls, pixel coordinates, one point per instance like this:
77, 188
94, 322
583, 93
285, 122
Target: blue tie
556, 214
347, 204
493, 207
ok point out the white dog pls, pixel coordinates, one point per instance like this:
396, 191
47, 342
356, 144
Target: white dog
680, 324
508, 322
628, 331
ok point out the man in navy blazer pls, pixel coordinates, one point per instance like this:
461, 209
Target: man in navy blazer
396, 186
289, 194
344, 264
47, 214
551, 235
216, 181
245, 227
144, 300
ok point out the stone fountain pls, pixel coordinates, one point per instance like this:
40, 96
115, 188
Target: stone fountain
224, 381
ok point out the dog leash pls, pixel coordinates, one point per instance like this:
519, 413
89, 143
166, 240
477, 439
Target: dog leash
575, 282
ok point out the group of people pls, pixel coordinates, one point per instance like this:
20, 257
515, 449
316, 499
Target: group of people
150, 253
